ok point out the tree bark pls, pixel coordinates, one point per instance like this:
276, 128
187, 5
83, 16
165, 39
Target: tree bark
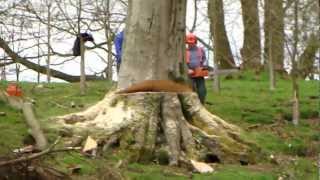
82, 53
147, 122
108, 35
82, 68
272, 74
154, 44
222, 51
49, 41
274, 25
251, 50
294, 70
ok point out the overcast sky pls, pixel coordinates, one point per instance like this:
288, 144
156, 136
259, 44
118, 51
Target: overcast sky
94, 63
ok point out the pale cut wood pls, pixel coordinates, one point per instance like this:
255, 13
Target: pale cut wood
184, 123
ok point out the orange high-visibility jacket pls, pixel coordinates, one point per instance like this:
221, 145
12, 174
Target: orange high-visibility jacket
198, 71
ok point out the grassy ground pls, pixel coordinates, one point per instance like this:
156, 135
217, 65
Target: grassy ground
243, 101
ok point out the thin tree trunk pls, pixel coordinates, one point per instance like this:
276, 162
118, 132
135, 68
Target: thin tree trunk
3, 71
38, 51
108, 34
295, 87
274, 25
82, 68
222, 51
251, 50
3, 68
13, 48
272, 74
49, 43
216, 76
82, 54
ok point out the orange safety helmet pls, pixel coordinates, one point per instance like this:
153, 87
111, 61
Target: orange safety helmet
191, 39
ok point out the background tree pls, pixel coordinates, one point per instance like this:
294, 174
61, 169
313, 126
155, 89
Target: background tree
307, 60
274, 33
294, 70
49, 10
251, 50
308, 38
222, 50
82, 51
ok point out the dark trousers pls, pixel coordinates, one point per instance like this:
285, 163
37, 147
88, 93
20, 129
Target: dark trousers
199, 86
118, 68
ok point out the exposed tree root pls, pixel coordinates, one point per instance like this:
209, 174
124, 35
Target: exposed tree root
146, 122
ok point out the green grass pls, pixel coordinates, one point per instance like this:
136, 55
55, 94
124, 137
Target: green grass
65, 161
13, 129
250, 101
242, 101
142, 172
236, 172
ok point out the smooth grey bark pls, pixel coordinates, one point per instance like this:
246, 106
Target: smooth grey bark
82, 54
154, 43
82, 68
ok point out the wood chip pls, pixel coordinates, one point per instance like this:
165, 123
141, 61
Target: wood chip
201, 167
90, 145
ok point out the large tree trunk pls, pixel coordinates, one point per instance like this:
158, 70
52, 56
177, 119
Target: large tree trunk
147, 123
222, 50
274, 32
251, 50
154, 43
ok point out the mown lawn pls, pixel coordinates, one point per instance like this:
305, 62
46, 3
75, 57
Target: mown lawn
264, 115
